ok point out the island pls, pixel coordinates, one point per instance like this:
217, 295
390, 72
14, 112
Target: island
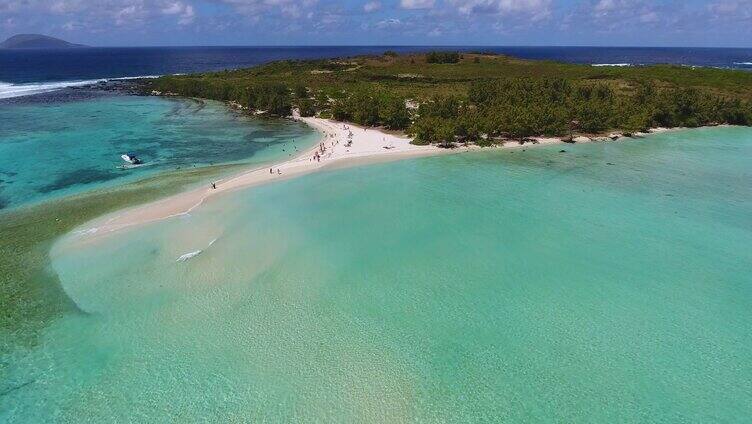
36, 41
480, 98
390, 107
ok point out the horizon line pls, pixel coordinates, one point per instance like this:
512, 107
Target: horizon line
399, 46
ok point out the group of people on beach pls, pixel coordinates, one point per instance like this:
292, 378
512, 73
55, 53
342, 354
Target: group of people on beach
318, 154
320, 151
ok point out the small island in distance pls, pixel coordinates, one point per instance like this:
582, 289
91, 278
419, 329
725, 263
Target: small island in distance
36, 41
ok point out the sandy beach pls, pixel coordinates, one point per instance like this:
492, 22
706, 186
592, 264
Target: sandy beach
340, 145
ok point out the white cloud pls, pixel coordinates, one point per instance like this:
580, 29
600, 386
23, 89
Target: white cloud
650, 16
348, 21
129, 15
289, 8
102, 12
72, 26
371, 6
8, 24
611, 15
65, 6
184, 11
535, 9
328, 21
734, 10
416, 4
392, 23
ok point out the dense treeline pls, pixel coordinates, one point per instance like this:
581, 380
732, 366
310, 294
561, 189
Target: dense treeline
443, 57
480, 98
371, 107
518, 108
274, 98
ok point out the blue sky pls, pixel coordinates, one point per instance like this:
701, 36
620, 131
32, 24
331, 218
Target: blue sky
384, 22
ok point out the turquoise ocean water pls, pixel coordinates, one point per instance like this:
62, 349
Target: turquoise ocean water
52, 146
609, 283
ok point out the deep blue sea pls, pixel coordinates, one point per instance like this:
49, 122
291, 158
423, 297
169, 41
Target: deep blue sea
24, 72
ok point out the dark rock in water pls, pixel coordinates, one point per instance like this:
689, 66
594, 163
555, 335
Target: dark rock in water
609, 163
81, 176
131, 86
562, 151
11, 389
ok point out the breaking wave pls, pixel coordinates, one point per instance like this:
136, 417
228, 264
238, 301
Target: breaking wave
598, 65
10, 90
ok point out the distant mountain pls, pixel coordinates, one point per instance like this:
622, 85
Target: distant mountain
36, 41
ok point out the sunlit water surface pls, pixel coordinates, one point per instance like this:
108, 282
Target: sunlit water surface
66, 143
608, 283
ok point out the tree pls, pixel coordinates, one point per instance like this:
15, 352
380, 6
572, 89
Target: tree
364, 108
300, 91
273, 98
442, 57
440, 107
430, 129
306, 107
340, 112
393, 113
280, 106
322, 100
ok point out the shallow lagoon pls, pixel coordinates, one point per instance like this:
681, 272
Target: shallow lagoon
59, 167
59, 144
607, 283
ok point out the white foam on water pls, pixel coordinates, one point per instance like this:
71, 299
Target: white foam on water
10, 90
184, 257
743, 63
87, 231
189, 255
598, 65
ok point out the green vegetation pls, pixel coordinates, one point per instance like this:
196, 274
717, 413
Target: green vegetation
444, 97
442, 57
274, 98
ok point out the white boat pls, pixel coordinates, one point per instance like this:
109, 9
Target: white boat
131, 158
